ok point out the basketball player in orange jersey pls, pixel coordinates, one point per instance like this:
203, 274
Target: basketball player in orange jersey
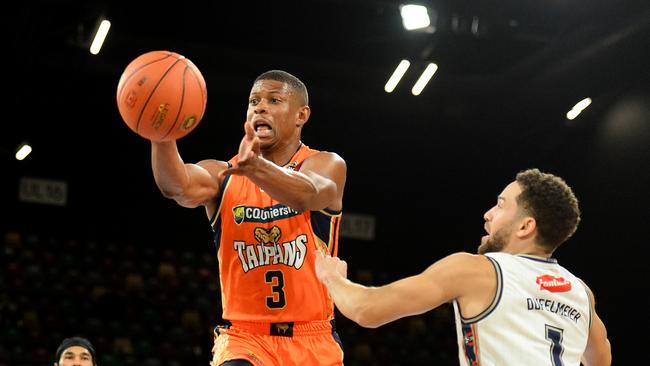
272, 208
514, 304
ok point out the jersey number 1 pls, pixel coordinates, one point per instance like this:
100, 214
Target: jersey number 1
276, 279
554, 335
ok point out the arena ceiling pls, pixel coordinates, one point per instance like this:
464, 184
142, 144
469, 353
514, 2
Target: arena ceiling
508, 73
555, 50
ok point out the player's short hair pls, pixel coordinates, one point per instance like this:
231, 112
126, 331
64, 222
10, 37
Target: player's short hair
551, 202
294, 83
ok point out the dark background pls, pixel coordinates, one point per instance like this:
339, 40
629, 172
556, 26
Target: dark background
425, 167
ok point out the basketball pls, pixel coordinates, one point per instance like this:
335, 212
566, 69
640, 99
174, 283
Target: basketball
161, 96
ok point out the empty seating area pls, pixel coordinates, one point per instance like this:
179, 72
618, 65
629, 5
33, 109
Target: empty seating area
142, 305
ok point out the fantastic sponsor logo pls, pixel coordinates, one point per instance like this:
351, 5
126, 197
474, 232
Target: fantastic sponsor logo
553, 284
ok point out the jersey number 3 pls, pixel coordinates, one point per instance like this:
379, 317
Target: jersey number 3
276, 279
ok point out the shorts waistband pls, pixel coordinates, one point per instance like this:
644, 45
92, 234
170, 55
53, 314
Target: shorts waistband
284, 329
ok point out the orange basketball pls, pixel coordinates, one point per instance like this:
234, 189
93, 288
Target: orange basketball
161, 96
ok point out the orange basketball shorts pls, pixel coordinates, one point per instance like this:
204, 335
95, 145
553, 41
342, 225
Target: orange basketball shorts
278, 344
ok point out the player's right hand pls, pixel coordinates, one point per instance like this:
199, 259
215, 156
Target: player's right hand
249, 152
328, 267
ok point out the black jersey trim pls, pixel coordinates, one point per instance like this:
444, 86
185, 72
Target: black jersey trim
495, 302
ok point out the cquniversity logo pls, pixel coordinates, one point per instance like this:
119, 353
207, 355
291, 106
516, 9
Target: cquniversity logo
262, 214
238, 214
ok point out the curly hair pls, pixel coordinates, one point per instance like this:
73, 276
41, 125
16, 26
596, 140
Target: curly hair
294, 83
551, 202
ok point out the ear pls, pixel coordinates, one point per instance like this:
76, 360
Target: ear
527, 228
303, 115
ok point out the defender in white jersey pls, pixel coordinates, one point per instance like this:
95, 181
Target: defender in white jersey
514, 304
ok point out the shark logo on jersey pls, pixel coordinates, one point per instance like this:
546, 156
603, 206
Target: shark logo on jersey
553, 284
270, 250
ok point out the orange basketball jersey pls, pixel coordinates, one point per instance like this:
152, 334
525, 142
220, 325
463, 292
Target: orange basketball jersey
266, 253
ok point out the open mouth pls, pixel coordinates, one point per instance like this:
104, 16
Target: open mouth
262, 128
261, 125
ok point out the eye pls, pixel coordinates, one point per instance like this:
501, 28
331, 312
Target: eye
253, 101
275, 100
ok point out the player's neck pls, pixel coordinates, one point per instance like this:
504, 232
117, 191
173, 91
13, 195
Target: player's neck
281, 155
527, 247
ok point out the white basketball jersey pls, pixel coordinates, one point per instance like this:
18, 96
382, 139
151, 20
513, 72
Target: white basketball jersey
540, 316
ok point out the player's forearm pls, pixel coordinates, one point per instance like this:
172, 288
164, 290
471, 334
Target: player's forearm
291, 188
169, 169
357, 302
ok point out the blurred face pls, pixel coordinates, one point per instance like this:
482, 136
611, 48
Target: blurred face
75, 356
276, 113
501, 221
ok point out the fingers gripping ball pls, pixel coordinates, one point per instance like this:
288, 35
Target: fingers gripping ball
161, 96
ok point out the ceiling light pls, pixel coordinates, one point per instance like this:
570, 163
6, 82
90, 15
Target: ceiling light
23, 151
579, 107
424, 78
100, 36
397, 76
414, 17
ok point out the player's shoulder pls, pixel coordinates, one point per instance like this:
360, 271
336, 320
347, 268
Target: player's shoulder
328, 155
332, 155
327, 158
468, 264
463, 273
467, 257
319, 152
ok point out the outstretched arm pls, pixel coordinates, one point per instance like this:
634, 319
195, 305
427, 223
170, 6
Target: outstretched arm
190, 185
599, 350
450, 278
319, 183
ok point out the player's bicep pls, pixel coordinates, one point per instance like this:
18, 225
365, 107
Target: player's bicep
204, 183
417, 294
414, 295
442, 281
327, 172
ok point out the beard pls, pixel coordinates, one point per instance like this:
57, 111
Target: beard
495, 242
